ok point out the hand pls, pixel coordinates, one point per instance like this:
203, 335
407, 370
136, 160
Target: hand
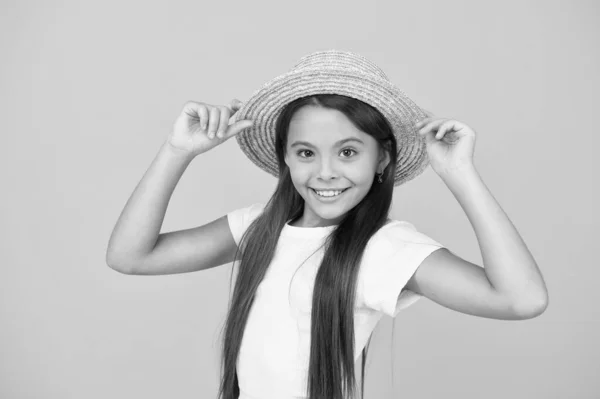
450, 143
201, 127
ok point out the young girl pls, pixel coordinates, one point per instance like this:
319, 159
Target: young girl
321, 262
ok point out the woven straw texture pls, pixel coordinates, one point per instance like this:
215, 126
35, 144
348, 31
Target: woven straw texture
333, 72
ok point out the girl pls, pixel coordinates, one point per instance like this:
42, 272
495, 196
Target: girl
320, 262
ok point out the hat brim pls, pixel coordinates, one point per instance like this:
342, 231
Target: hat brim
267, 103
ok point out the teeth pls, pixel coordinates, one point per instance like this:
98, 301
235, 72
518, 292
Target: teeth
328, 193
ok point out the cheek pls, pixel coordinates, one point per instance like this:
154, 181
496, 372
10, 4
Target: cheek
358, 174
299, 174
299, 180
361, 176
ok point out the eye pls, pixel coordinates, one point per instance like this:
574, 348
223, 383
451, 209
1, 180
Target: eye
349, 149
299, 153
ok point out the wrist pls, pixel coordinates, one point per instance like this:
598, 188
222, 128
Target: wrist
176, 153
464, 173
459, 170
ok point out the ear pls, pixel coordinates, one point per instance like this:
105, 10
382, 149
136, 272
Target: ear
384, 159
285, 158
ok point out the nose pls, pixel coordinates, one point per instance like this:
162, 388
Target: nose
327, 170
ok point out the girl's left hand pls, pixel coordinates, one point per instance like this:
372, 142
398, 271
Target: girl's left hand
450, 143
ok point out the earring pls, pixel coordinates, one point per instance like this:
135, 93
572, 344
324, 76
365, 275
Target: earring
379, 175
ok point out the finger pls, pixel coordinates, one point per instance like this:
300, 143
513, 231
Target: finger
191, 109
235, 105
420, 123
238, 127
213, 122
224, 122
444, 128
441, 131
433, 125
203, 115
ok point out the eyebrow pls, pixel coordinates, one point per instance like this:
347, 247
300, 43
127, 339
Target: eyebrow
296, 143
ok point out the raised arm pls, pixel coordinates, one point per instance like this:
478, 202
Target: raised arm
510, 284
136, 245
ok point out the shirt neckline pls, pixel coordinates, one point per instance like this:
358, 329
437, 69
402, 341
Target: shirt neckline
307, 232
315, 232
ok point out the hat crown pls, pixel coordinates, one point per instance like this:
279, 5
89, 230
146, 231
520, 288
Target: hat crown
339, 60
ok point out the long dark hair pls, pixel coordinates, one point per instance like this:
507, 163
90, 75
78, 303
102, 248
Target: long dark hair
331, 364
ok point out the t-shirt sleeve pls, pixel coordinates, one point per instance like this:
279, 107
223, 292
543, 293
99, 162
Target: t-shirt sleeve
391, 258
240, 219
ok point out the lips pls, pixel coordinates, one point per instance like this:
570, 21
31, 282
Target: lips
323, 197
342, 190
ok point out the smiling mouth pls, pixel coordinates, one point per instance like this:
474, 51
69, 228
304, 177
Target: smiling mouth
328, 196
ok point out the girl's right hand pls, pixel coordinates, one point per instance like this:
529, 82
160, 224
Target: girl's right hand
201, 127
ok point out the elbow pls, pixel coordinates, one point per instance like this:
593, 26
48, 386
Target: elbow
116, 264
532, 308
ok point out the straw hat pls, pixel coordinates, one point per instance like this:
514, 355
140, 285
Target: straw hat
333, 72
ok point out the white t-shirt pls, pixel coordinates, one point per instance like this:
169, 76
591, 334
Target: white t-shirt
274, 354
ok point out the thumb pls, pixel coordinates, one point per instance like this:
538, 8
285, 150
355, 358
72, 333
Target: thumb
428, 113
237, 127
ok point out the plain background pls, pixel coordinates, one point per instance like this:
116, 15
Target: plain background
90, 90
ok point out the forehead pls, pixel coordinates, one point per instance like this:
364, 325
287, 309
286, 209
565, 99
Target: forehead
322, 125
